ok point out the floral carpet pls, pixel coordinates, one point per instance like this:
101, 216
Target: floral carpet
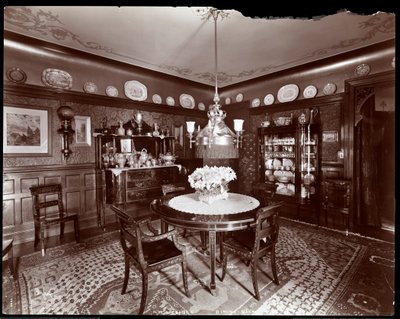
321, 272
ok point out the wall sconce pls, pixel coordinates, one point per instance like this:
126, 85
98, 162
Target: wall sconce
238, 127
65, 113
190, 130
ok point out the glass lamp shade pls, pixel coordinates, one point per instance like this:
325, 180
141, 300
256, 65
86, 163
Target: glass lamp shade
190, 126
238, 125
65, 113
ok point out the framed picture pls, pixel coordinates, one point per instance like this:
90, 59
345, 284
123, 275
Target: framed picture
178, 134
126, 145
26, 131
82, 131
330, 136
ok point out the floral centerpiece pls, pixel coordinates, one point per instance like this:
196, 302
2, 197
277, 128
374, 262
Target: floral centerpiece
211, 183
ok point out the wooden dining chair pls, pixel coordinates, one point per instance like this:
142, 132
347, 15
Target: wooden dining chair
174, 190
8, 253
50, 212
265, 192
336, 195
149, 251
254, 243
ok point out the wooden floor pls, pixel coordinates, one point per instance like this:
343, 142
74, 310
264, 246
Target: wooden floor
28, 247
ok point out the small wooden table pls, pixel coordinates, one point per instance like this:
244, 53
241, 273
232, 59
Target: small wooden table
237, 212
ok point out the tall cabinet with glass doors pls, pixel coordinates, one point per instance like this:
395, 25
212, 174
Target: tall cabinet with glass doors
290, 159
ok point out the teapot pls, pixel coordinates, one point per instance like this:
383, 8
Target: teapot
168, 158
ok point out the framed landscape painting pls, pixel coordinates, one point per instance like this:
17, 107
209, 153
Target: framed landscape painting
26, 131
82, 131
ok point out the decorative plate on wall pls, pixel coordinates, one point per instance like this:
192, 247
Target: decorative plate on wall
201, 106
170, 101
310, 92
288, 93
135, 90
269, 99
239, 97
90, 87
16, 75
187, 101
228, 100
255, 102
57, 79
111, 91
362, 69
329, 88
157, 99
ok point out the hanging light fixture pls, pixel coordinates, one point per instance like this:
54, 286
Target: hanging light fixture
216, 139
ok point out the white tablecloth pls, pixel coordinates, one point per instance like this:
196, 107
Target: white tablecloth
234, 204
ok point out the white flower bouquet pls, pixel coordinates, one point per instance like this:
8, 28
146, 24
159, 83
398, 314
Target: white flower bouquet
211, 183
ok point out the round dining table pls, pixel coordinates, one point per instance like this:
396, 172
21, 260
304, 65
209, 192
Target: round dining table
236, 212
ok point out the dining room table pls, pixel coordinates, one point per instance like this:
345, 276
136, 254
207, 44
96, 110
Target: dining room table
236, 212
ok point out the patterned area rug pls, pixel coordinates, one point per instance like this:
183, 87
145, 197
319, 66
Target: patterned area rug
321, 272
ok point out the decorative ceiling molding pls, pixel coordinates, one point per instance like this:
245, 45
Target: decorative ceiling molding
45, 24
49, 26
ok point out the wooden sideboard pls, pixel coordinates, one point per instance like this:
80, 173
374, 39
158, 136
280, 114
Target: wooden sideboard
132, 185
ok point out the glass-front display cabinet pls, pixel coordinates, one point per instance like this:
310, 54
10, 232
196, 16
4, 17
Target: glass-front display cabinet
290, 159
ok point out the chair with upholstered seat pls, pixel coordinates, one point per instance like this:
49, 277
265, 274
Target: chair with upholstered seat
48, 209
8, 251
254, 243
336, 194
149, 251
180, 189
265, 192
174, 190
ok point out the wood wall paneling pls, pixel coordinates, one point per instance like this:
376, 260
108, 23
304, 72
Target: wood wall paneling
79, 195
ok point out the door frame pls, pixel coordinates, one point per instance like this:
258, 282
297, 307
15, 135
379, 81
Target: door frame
357, 91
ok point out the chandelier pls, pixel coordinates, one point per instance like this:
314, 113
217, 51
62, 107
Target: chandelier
216, 139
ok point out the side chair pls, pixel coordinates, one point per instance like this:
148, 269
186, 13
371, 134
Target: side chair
336, 195
8, 251
149, 251
180, 189
48, 210
254, 243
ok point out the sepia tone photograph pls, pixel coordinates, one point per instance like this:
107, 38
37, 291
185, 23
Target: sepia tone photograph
199, 160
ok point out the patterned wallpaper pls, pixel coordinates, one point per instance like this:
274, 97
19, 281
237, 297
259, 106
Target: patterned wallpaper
81, 154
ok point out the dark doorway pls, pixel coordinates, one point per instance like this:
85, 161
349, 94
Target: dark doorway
375, 163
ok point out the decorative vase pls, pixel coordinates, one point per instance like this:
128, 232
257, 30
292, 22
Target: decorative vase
121, 130
211, 195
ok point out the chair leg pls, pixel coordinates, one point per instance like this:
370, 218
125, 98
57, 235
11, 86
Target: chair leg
126, 276
37, 235
185, 282
254, 276
62, 227
224, 264
204, 240
76, 228
10, 263
273, 266
42, 240
144, 292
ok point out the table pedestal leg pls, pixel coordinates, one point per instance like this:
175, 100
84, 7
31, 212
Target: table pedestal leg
212, 244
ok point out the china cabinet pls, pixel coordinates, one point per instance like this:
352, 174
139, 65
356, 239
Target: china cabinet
290, 159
